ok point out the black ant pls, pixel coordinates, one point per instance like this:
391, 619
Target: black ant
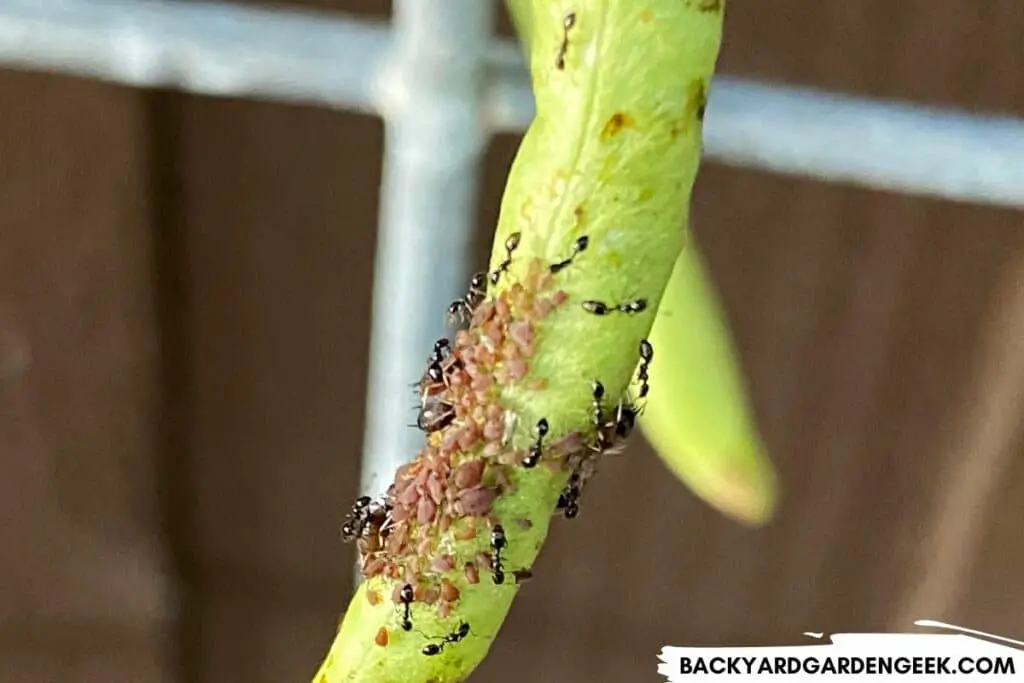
511, 244
617, 430
357, 519
646, 356
455, 636
498, 543
435, 413
376, 528
406, 596
438, 367
462, 309
533, 457
628, 307
578, 247
597, 395
442, 349
567, 23
569, 498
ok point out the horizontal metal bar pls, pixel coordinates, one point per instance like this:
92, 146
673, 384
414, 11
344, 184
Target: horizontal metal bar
884, 145
206, 48
337, 61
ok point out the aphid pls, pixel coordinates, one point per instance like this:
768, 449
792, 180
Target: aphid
569, 498
567, 23
382, 637
533, 456
510, 246
406, 597
462, 309
646, 356
498, 543
578, 247
522, 575
357, 519
628, 307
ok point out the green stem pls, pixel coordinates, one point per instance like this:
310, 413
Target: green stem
611, 157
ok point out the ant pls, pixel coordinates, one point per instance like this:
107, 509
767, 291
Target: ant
646, 356
511, 244
628, 307
406, 596
357, 520
578, 247
498, 543
442, 349
533, 457
438, 365
596, 394
376, 529
567, 23
455, 636
435, 413
611, 431
461, 310
569, 498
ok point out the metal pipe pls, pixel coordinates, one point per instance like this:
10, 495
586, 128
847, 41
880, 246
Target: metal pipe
335, 60
206, 48
883, 145
435, 137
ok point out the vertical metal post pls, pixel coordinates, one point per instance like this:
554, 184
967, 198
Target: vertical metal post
430, 100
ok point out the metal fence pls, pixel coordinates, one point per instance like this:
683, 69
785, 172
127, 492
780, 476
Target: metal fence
443, 85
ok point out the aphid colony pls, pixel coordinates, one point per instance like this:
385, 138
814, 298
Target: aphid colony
445, 495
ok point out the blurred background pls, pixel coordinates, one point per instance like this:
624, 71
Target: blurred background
185, 309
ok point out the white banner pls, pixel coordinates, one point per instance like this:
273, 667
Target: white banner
966, 655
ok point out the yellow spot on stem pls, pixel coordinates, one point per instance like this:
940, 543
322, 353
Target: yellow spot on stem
615, 124
558, 184
580, 214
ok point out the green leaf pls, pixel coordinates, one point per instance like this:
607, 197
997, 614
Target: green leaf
697, 416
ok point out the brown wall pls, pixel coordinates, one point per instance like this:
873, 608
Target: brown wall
184, 309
